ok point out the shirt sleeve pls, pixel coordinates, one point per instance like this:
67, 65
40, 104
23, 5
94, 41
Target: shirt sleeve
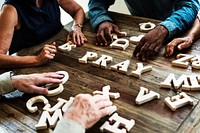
183, 17
98, 11
6, 83
68, 126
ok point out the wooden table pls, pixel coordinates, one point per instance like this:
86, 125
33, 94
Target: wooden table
151, 117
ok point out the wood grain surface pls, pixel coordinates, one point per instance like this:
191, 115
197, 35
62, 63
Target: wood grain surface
151, 117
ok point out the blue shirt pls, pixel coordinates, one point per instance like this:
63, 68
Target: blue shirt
37, 24
177, 15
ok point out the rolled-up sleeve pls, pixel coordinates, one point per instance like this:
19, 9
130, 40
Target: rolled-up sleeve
98, 11
183, 17
68, 126
6, 83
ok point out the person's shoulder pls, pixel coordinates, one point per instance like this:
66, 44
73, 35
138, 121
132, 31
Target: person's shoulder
9, 14
7, 8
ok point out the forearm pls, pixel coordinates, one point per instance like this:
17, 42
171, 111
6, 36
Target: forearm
74, 10
6, 83
194, 33
79, 17
183, 16
17, 61
98, 11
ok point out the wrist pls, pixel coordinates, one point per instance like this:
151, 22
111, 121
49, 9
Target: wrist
73, 117
163, 31
77, 26
191, 36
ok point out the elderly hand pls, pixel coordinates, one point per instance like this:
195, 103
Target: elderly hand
47, 53
104, 32
87, 109
33, 83
77, 36
151, 43
180, 43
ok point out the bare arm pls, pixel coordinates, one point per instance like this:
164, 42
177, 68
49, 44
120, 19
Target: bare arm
194, 33
8, 24
76, 11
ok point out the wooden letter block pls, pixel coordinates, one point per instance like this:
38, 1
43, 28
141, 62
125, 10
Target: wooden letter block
68, 104
120, 43
65, 74
136, 39
178, 101
140, 69
171, 80
42, 124
196, 62
121, 67
194, 81
67, 46
182, 60
106, 92
55, 91
102, 61
34, 100
146, 27
145, 96
88, 56
123, 34
115, 36
59, 104
117, 122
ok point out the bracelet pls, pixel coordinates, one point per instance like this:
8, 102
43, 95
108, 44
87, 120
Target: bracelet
79, 25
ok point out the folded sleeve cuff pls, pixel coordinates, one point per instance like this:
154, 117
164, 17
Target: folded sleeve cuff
171, 27
99, 20
70, 126
6, 83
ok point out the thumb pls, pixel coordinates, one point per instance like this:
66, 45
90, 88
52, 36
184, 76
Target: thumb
40, 90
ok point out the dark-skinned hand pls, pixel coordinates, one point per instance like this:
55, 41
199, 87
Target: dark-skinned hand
104, 32
151, 43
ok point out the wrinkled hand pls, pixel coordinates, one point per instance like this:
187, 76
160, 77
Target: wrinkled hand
180, 43
151, 43
77, 36
87, 109
104, 32
47, 53
33, 83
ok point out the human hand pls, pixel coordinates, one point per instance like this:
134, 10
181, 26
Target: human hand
151, 43
87, 109
77, 36
47, 53
104, 33
180, 43
33, 83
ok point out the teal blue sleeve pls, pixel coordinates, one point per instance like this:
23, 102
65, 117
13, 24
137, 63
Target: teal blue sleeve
6, 83
68, 126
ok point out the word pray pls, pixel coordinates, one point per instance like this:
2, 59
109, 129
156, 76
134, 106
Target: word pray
121, 67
